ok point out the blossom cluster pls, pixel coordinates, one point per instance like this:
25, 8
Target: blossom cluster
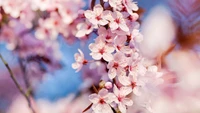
126, 75
30, 28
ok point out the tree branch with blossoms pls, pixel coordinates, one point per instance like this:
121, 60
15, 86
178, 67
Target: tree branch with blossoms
116, 49
25, 94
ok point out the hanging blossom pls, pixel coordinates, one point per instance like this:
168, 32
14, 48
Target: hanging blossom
116, 47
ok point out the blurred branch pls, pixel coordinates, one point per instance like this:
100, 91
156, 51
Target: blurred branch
102, 3
17, 84
25, 76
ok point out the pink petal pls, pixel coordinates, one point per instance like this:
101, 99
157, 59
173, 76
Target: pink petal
96, 56
94, 98
89, 14
112, 73
113, 25
125, 90
127, 101
107, 57
124, 80
116, 90
122, 107
103, 92
124, 27
98, 9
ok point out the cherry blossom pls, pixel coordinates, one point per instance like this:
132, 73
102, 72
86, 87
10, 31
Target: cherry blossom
80, 61
101, 50
122, 100
137, 68
117, 65
117, 21
116, 4
84, 29
134, 81
101, 101
130, 6
106, 34
96, 16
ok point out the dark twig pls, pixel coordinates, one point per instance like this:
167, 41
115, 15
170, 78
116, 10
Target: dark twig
17, 84
102, 3
87, 108
92, 4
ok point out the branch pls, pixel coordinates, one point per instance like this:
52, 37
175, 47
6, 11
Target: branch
25, 76
92, 4
17, 84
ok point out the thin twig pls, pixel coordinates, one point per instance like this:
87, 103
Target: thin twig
25, 76
87, 108
17, 84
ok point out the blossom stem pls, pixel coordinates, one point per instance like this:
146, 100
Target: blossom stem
17, 84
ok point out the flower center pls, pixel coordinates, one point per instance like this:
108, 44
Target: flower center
85, 62
98, 18
133, 84
101, 51
117, 20
101, 101
115, 65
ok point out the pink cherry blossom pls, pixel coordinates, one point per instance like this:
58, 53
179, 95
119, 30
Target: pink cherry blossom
137, 68
101, 101
120, 44
84, 29
117, 21
12, 7
96, 16
130, 6
122, 100
80, 61
101, 50
133, 81
117, 65
106, 34
116, 4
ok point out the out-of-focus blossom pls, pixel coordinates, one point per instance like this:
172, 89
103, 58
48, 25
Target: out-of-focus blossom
186, 65
159, 32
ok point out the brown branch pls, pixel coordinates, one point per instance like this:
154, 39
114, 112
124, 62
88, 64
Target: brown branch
92, 4
102, 3
87, 108
17, 84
